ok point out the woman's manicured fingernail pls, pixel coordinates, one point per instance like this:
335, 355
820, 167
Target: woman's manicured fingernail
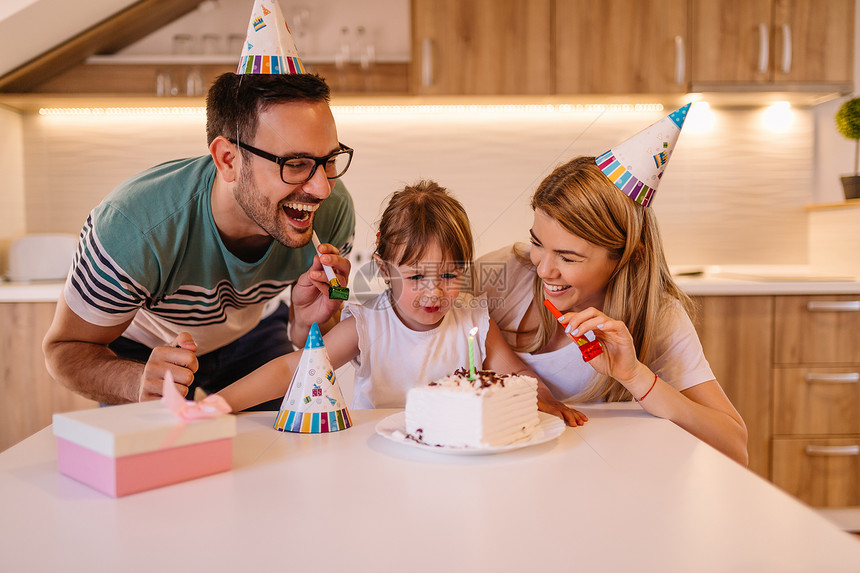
600, 326
560, 318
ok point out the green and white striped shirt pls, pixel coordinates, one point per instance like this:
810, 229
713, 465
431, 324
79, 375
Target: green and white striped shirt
151, 251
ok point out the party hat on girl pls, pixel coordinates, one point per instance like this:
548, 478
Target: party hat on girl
269, 47
636, 165
314, 403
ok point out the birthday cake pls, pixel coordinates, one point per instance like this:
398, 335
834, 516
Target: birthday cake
490, 411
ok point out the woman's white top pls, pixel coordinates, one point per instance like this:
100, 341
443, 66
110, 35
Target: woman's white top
508, 282
392, 358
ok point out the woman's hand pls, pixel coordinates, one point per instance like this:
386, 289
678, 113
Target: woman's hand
618, 359
703, 409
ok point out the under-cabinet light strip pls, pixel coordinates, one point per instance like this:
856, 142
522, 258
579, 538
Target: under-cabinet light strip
117, 111
363, 109
499, 108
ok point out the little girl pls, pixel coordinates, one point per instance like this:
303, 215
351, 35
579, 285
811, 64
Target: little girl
416, 330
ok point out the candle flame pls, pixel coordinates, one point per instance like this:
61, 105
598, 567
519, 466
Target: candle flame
473, 332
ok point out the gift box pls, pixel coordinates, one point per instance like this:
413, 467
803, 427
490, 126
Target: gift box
126, 449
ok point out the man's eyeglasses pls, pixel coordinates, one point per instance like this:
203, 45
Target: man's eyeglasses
298, 169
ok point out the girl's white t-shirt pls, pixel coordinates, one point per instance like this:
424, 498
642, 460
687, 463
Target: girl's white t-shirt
393, 358
508, 285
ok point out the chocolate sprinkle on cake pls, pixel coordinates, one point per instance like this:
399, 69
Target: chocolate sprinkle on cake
483, 378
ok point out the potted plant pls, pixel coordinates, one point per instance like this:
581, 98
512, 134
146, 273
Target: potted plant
848, 124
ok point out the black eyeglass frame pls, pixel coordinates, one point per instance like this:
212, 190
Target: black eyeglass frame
282, 160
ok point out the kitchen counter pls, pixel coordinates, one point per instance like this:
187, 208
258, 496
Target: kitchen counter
695, 281
731, 286
30, 291
746, 280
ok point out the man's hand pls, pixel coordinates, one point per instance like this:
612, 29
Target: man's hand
178, 358
309, 299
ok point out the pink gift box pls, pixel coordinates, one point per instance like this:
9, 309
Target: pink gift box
126, 449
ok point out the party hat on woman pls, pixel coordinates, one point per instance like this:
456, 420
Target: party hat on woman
314, 403
636, 165
269, 47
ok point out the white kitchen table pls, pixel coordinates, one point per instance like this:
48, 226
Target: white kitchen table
625, 492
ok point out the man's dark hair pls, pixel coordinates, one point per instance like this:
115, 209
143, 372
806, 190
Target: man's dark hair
235, 101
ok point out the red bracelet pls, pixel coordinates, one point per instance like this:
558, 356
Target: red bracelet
654, 383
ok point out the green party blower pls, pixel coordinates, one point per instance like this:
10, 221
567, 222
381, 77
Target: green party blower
335, 291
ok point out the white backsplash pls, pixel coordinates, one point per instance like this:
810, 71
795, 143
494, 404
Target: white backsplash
734, 192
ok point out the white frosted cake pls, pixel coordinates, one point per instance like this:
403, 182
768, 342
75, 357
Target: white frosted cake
491, 410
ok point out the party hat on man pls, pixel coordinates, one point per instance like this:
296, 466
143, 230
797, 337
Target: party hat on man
269, 47
314, 403
636, 165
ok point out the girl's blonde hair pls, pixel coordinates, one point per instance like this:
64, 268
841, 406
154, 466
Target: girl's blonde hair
580, 197
419, 216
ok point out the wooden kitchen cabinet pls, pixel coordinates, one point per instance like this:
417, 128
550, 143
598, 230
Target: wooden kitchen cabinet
814, 41
621, 46
778, 43
30, 395
818, 330
816, 400
816, 388
791, 366
735, 332
821, 472
568, 47
470, 47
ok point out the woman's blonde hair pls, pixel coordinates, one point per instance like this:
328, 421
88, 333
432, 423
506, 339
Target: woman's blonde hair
580, 197
419, 216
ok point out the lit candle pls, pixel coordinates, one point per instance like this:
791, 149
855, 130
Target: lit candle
472, 334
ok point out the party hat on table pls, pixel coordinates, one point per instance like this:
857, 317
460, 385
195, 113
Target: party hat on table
314, 403
269, 47
636, 165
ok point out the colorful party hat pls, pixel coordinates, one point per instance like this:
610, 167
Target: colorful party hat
269, 47
636, 165
314, 403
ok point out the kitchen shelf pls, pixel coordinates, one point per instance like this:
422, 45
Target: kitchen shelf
206, 59
847, 204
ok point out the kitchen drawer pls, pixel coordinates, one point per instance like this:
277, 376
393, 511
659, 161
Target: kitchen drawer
816, 400
821, 472
817, 330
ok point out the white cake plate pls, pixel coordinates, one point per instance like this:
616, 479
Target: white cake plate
394, 428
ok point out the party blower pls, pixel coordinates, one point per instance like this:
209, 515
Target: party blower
335, 291
589, 348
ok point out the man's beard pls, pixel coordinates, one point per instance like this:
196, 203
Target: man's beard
267, 216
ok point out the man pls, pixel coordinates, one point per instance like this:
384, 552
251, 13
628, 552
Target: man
178, 268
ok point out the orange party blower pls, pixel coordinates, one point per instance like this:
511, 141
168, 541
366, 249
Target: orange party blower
589, 348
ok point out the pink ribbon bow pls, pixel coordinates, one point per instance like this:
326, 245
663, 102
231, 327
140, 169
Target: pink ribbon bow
210, 407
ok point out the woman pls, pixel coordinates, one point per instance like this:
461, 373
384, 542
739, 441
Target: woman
598, 257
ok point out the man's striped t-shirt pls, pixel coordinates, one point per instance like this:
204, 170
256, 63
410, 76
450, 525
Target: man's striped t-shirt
151, 251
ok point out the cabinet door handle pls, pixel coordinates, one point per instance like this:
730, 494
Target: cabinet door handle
763, 48
427, 62
680, 61
833, 306
833, 450
828, 378
786, 48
